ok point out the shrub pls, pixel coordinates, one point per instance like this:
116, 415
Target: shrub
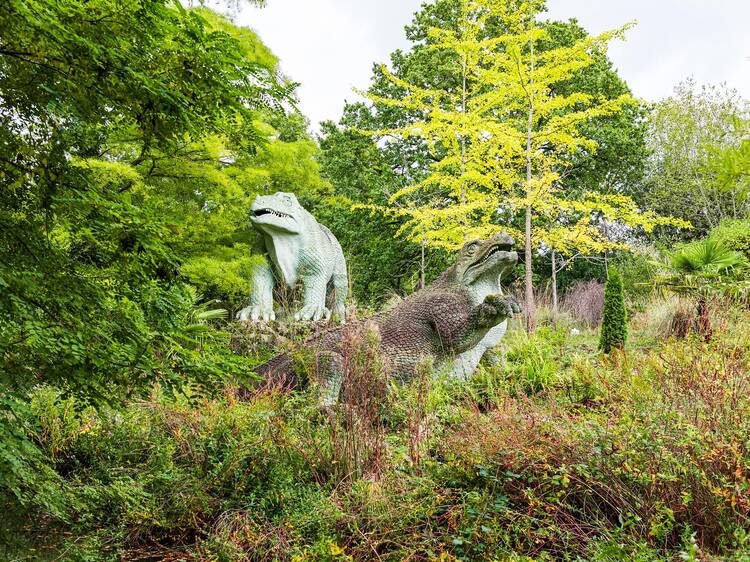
660, 466
637, 270
704, 271
614, 320
734, 235
357, 429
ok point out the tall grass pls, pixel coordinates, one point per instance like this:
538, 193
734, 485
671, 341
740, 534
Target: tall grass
584, 300
555, 453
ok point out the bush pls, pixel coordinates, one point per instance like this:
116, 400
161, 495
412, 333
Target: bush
637, 271
614, 320
733, 235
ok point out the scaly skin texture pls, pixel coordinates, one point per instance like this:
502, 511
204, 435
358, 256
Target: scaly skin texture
450, 317
297, 249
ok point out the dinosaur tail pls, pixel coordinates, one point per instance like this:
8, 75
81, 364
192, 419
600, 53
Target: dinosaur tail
284, 373
276, 373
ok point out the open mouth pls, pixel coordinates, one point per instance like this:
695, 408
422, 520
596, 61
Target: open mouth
494, 250
266, 211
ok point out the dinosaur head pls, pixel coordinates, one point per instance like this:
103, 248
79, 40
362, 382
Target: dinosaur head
482, 261
280, 212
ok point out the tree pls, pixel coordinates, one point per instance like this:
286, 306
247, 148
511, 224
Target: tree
729, 164
502, 139
614, 330
104, 108
380, 264
702, 270
697, 139
112, 116
616, 166
206, 188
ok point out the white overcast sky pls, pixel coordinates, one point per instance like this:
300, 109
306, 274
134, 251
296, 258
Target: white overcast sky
329, 46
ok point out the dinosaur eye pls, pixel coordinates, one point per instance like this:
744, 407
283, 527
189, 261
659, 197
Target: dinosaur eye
472, 248
287, 200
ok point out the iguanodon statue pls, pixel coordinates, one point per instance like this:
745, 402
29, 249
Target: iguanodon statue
449, 318
297, 249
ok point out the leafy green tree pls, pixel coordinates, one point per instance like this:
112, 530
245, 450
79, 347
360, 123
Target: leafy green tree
99, 101
616, 167
505, 116
698, 168
733, 235
206, 188
730, 164
112, 117
614, 330
380, 263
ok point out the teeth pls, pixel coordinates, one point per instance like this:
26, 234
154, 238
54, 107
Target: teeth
270, 212
495, 250
490, 253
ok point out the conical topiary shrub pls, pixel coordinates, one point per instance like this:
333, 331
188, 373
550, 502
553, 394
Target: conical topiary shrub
614, 319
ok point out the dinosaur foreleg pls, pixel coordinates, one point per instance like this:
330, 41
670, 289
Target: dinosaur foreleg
495, 309
340, 289
314, 305
261, 295
464, 365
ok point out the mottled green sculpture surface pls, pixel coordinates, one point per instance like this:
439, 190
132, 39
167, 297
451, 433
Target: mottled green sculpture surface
450, 317
298, 249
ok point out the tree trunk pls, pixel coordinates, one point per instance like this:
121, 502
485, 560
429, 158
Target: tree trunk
421, 269
554, 283
704, 319
530, 304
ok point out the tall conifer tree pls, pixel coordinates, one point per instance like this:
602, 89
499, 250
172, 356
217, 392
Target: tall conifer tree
614, 318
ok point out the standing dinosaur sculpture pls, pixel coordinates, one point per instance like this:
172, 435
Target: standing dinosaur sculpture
450, 317
297, 249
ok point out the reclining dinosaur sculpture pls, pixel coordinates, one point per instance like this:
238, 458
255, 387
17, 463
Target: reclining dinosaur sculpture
450, 317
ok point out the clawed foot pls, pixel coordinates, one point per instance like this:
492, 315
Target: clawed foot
313, 312
256, 313
339, 314
497, 308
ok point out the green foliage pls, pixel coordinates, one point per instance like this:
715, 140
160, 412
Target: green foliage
131, 141
133, 137
707, 257
704, 268
535, 362
624, 457
364, 172
225, 273
380, 264
637, 271
734, 235
699, 157
614, 330
731, 162
110, 118
481, 153
705, 271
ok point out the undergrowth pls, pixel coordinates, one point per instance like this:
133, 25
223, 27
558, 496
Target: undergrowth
554, 453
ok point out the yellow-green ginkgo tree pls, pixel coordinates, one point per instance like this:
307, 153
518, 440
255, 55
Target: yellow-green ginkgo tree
504, 138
